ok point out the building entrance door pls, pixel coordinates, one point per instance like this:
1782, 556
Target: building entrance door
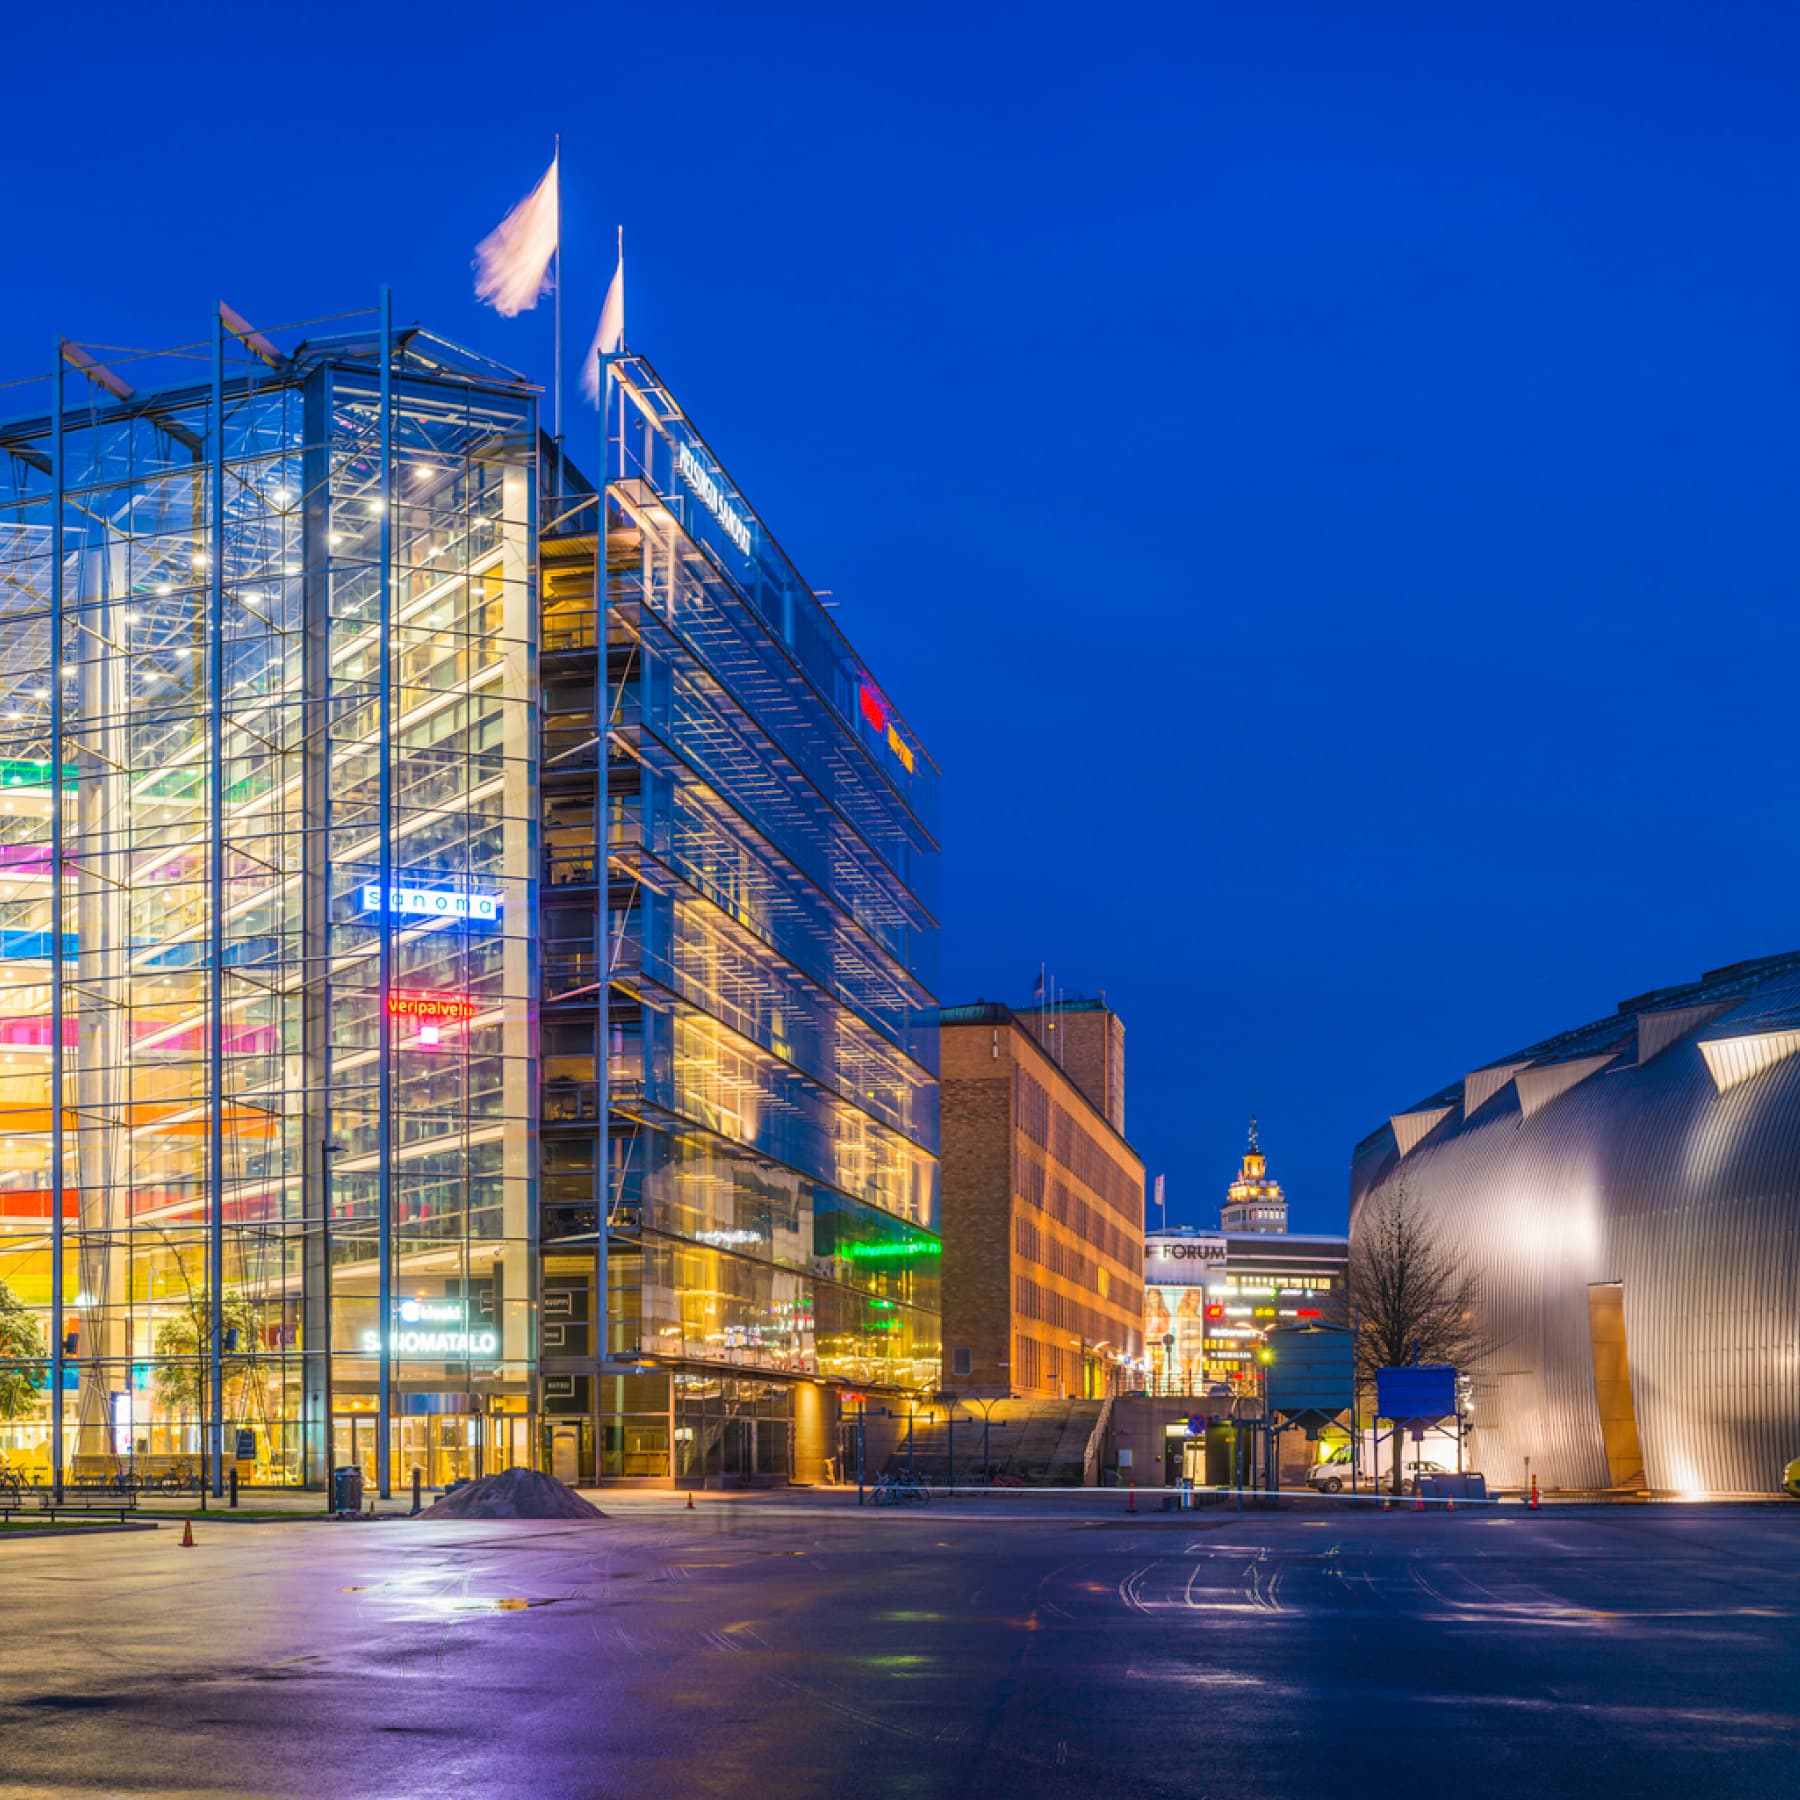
1612, 1385
353, 1445
509, 1442
737, 1448
443, 1447
565, 1453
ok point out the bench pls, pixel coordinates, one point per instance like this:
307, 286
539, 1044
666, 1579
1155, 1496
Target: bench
77, 1496
24, 1502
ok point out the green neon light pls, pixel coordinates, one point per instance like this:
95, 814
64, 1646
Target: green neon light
19, 772
885, 1252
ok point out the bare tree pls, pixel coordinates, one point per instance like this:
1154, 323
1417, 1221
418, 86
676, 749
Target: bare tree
1415, 1299
183, 1347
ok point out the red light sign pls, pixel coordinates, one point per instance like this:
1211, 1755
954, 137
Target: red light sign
1306, 1312
875, 710
436, 1008
1215, 1312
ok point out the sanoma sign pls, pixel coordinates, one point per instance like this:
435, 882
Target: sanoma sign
434, 1328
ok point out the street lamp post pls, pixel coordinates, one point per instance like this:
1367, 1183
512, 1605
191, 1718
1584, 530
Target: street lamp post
327, 1150
987, 1420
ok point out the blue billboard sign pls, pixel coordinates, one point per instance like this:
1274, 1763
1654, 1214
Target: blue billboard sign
1422, 1393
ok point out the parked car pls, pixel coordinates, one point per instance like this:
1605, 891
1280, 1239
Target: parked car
1333, 1477
1413, 1470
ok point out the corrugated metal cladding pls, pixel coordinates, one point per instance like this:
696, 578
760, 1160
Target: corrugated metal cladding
1651, 1171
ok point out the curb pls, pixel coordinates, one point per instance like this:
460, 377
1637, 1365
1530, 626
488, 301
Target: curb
68, 1531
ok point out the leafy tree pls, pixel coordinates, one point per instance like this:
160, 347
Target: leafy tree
184, 1345
1415, 1298
21, 1341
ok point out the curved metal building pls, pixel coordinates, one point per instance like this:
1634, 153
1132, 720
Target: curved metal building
1630, 1193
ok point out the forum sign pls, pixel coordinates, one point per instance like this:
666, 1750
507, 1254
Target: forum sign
1185, 1261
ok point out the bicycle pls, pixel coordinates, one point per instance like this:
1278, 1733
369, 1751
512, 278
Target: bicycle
182, 1478
900, 1490
15, 1478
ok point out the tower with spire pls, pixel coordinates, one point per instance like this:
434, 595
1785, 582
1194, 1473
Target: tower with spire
1253, 1202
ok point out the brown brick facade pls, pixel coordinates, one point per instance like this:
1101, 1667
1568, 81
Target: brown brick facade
1043, 1221
1088, 1040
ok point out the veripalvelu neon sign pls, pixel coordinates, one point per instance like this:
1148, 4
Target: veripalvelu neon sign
431, 1006
432, 1012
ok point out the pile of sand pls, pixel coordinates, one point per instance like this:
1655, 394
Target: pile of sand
516, 1494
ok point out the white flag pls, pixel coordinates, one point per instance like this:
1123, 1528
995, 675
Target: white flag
512, 263
610, 338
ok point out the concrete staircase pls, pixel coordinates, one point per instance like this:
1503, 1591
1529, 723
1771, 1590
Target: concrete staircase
1042, 1443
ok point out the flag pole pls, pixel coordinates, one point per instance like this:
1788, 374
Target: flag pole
603, 1008
621, 350
606, 356
556, 161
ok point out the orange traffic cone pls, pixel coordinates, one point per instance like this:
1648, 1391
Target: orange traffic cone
187, 1535
1534, 1493
1449, 1503
690, 1504
1418, 1498
1131, 1496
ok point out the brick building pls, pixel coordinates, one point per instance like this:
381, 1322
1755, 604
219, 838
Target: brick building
1043, 1203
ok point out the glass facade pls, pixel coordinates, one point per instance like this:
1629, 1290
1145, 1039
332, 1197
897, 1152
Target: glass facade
268, 870
368, 1037
740, 1093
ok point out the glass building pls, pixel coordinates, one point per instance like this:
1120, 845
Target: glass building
740, 1096
279, 785
268, 857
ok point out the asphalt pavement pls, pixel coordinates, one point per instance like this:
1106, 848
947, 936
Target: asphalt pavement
773, 1649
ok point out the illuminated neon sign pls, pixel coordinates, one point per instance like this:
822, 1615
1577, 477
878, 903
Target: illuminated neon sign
710, 495
875, 710
19, 772
881, 1252
431, 1006
433, 1012
434, 1328
427, 903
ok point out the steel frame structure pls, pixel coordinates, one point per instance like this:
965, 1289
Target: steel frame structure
270, 648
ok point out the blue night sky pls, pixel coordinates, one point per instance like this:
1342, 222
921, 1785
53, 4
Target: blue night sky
1320, 479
